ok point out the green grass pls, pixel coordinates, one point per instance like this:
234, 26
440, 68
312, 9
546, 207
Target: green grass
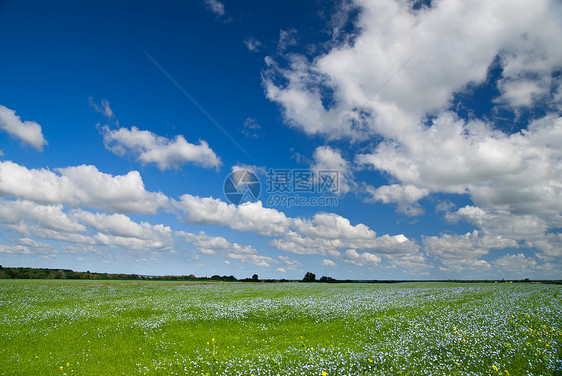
166, 328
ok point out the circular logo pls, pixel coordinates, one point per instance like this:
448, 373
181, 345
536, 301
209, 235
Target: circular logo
242, 186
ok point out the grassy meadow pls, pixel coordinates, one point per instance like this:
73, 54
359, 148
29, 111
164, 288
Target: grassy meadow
61, 327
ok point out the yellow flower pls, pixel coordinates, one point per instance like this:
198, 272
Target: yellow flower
213, 340
371, 360
68, 364
507, 373
324, 373
207, 342
495, 368
61, 368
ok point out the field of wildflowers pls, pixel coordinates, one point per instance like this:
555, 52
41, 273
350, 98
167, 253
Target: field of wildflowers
168, 328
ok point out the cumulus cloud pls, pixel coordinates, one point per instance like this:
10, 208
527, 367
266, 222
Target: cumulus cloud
329, 263
360, 259
217, 245
28, 132
330, 159
458, 252
501, 222
332, 227
245, 217
148, 147
406, 196
80, 186
329, 234
324, 234
550, 245
516, 265
517, 172
14, 249
442, 58
404, 64
118, 230
52, 222
47, 216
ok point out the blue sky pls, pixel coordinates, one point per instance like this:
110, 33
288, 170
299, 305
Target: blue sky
120, 122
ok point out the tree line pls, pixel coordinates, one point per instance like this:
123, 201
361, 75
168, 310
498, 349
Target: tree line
309, 277
45, 273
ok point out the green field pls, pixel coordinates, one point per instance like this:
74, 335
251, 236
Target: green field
170, 328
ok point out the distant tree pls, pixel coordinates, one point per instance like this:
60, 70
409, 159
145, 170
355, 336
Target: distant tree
309, 277
255, 278
327, 279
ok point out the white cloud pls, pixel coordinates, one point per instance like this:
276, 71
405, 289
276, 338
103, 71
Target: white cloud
216, 7
47, 216
287, 38
252, 44
329, 159
404, 65
14, 249
323, 234
130, 242
102, 108
51, 222
118, 230
460, 252
80, 186
515, 265
501, 222
148, 147
520, 93
406, 196
550, 245
330, 234
329, 263
31, 243
251, 128
333, 227
34, 230
360, 259
28, 132
246, 217
217, 245
447, 46
518, 173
